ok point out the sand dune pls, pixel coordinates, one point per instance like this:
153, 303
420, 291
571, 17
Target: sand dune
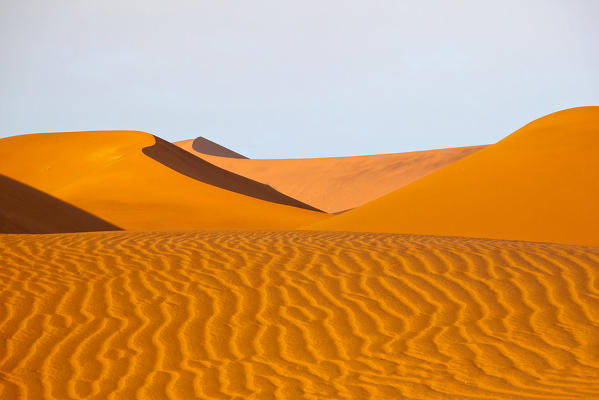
24, 209
205, 146
136, 181
336, 184
205, 172
296, 315
540, 184
270, 313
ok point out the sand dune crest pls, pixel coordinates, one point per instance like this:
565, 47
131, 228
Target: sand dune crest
538, 184
185, 163
205, 146
107, 174
336, 184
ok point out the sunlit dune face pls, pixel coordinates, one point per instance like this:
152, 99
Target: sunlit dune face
24, 209
337, 184
296, 315
538, 184
130, 180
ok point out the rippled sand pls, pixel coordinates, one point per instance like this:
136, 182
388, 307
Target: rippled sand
295, 315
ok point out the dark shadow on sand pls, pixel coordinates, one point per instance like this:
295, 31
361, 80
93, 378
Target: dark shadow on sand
205, 146
24, 209
194, 167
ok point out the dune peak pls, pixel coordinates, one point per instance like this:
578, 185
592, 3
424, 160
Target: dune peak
538, 184
207, 146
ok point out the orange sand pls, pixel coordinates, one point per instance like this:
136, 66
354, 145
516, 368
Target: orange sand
337, 184
295, 315
275, 314
118, 176
205, 146
539, 184
24, 209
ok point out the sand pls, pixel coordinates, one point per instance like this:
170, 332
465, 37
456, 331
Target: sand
336, 184
295, 315
199, 284
24, 209
133, 180
206, 146
539, 184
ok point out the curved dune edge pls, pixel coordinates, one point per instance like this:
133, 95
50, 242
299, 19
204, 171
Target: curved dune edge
107, 174
24, 209
538, 184
296, 315
206, 146
184, 163
337, 184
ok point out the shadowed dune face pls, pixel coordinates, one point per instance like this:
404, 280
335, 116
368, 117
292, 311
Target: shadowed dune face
24, 209
336, 184
538, 184
189, 165
296, 315
205, 146
107, 174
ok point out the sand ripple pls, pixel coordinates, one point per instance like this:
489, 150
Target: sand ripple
295, 315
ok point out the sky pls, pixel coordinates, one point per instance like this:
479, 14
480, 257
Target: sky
310, 78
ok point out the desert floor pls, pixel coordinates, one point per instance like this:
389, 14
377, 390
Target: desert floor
296, 315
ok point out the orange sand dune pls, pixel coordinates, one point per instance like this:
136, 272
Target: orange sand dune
24, 209
205, 146
540, 184
296, 315
136, 181
336, 184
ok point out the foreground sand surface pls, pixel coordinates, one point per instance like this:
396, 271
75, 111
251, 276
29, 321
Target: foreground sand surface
295, 315
335, 184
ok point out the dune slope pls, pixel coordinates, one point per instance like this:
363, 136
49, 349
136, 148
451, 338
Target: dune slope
296, 315
205, 146
136, 181
336, 184
538, 184
24, 209
203, 171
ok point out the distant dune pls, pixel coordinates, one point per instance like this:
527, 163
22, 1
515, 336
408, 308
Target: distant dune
136, 181
336, 184
296, 315
539, 184
205, 146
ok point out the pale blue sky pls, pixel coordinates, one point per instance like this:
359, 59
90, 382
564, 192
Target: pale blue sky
272, 78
